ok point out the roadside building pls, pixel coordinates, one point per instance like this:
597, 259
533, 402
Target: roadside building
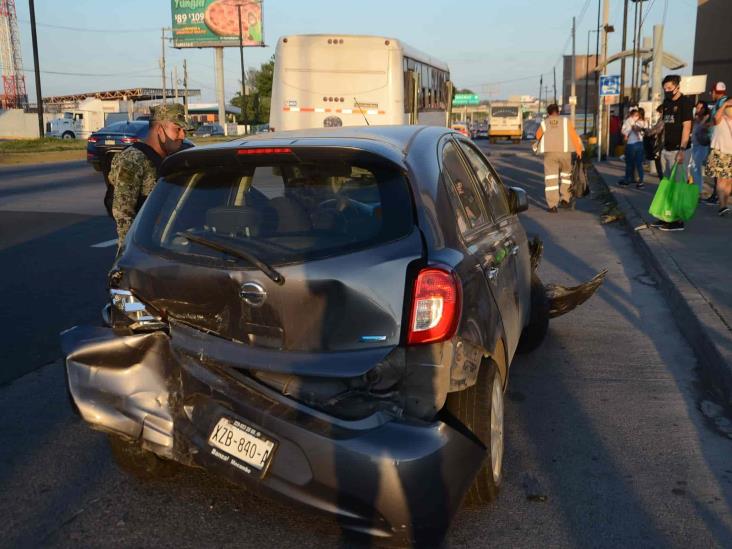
713, 41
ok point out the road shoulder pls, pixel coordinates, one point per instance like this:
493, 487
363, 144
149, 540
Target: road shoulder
703, 323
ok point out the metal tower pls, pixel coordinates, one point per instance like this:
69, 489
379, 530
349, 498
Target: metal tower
12, 63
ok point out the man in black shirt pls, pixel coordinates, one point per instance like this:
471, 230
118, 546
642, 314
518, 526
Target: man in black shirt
678, 113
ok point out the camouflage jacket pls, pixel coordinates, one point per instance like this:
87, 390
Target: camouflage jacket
133, 174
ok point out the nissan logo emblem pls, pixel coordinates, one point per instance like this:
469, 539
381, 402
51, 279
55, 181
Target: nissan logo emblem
253, 293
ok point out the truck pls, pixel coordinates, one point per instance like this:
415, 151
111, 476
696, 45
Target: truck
75, 124
505, 121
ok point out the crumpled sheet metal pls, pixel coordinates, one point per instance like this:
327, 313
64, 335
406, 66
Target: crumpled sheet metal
122, 384
563, 299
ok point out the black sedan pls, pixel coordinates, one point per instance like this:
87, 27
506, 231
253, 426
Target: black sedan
328, 315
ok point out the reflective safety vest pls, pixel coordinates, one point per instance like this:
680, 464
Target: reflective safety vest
555, 135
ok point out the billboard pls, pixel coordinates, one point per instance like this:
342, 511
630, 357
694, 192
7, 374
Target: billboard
215, 23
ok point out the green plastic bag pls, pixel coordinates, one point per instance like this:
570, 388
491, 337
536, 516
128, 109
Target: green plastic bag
675, 199
686, 199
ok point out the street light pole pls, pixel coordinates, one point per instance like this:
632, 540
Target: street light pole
36, 68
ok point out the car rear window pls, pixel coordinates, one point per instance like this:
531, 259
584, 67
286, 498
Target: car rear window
282, 212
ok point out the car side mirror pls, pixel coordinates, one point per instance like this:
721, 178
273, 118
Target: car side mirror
518, 200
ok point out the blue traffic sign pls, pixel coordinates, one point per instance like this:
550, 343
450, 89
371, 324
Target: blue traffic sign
610, 84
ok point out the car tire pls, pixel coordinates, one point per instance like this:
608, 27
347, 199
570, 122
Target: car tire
140, 463
109, 199
535, 331
480, 409
68, 135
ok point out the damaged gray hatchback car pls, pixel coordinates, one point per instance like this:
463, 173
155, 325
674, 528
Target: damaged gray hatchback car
329, 315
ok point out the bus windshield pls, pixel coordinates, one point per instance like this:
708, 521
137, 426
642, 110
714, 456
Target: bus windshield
504, 112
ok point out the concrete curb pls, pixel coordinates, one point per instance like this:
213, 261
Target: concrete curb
692, 312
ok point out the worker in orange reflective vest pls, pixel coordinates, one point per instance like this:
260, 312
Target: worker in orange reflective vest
556, 138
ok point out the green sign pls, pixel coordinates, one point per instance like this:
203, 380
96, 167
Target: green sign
215, 23
465, 99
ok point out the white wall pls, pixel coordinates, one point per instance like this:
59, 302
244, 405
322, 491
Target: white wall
16, 124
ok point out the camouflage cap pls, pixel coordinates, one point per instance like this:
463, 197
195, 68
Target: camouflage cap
171, 112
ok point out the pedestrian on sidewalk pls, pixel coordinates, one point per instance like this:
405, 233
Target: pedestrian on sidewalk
678, 114
719, 98
700, 143
719, 164
556, 138
632, 131
653, 141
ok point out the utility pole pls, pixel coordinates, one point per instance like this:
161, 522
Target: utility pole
638, 42
541, 85
36, 68
185, 88
573, 90
219, 64
602, 116
657, 63
597, 74
174, 78
622, 61
555, 84
162, 59
243, 74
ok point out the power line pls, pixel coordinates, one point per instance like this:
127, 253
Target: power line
136, 73
84, 29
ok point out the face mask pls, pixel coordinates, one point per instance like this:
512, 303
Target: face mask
669, 94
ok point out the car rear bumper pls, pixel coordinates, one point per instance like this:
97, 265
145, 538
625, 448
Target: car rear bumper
381, 475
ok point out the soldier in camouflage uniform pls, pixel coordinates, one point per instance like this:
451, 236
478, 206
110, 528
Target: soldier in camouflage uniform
134, 171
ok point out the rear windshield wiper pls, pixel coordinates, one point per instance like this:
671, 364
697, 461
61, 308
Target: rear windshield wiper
236, 252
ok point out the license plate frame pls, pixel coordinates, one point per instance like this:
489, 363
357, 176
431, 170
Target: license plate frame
237, 443
109, 142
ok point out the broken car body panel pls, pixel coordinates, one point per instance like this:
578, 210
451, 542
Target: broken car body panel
315, 369
370, 472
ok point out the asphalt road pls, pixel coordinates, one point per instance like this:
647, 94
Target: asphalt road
606, 445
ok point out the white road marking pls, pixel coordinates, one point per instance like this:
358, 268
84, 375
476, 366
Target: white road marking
105, 244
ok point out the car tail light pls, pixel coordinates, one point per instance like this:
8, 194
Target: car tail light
130, 140
266, 150
436, 306
92, 140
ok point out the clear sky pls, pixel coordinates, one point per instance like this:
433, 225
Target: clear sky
496, 47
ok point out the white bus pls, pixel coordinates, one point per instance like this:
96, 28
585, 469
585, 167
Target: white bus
506, 121
346, 80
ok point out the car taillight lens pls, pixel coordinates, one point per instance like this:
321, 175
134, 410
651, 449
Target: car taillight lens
130, 140
436, 306
92, 140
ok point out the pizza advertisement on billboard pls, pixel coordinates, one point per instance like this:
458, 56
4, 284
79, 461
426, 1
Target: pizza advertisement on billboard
215, 23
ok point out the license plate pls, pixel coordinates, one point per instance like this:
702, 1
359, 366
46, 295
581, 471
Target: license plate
245, 445
109, 141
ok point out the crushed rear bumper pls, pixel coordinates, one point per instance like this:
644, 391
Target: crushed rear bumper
381, 475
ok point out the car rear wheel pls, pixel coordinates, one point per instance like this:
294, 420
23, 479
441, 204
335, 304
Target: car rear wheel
140, 463
480, 409
535, 331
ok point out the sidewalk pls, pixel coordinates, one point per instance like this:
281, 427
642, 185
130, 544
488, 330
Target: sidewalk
694, 268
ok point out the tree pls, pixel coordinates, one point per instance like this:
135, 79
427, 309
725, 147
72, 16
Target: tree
465, 90
256, 104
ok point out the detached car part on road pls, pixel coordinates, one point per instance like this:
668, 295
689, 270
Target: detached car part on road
328, 315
